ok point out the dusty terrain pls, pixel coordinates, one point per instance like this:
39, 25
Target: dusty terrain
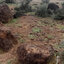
30, 29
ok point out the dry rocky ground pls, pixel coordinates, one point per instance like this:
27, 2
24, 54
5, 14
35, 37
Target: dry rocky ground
30, 29
38, 34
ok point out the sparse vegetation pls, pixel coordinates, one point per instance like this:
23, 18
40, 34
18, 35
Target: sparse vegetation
23, 8
42, 11
9, 1
31, 36
46, 39
62, 57
9, 62
36, 30
60, 26
19, 25
61, 45
59, 14
32, 23
13, 20
49, 36
46, 1
22, 40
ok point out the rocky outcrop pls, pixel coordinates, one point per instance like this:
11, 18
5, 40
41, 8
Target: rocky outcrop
7, 39
34, 54
5, 13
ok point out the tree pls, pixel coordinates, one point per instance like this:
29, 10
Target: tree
23, 8
9, 1
45, 1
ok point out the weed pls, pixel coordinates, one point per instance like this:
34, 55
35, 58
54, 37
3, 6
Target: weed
40, 23
0, 63
49, 36
21, 35
1, 52
9, 1
22, 40
61, 45
42, 11
13, 20
62, 55
59, 14
31, 36
46, 39
19, 25
9, 62
23, 8
56, 46
30, 13
36, 29
60, 26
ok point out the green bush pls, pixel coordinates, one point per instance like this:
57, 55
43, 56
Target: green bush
1, 1
45, 1
62, 57
18, 13
23, 8
63, 4
42, 11
9, 1
36, 30
59, 14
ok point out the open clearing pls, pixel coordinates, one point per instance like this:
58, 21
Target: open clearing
30, 29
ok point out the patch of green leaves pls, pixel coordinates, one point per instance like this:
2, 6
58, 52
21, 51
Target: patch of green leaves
31, 36
61, 45
13, 20
19, 25
0, 63
46, 39
60, 26
22, 40
36, 30
49, 36
9, 62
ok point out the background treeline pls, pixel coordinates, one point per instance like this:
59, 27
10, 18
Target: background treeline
45, 9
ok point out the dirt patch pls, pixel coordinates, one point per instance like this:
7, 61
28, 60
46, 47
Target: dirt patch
33, 29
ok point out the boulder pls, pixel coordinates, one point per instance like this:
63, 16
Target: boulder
53, 6
34, 54
5, 13
7, 39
